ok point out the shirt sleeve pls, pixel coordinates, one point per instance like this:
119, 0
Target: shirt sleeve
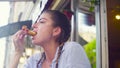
77, 57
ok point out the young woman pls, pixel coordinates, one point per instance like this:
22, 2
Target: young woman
53, 30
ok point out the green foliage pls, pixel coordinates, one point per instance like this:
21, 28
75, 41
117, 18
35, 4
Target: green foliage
90, 50
92, 4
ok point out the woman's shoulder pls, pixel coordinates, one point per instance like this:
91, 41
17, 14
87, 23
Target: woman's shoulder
74, 52
35, 57
73, 47
32, 61
72, 44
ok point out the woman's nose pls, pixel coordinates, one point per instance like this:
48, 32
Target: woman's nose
35, 24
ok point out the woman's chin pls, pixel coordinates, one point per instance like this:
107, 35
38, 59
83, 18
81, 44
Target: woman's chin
35, 43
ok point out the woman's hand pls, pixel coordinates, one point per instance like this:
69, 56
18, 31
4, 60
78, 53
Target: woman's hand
19, 41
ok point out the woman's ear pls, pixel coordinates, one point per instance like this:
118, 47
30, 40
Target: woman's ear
56, 31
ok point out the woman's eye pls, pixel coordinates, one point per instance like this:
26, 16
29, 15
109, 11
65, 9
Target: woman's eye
42, 22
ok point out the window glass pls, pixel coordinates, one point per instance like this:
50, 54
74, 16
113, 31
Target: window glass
87, 33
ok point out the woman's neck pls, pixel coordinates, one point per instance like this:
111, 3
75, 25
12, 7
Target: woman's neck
50, 51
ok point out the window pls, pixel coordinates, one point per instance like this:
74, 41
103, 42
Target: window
87, 34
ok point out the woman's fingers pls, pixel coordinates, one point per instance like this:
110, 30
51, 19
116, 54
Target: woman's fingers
20, 34
18, 40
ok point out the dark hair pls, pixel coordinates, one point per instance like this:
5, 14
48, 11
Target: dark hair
62, 21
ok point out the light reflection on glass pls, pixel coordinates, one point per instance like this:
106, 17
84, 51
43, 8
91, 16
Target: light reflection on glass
86, 26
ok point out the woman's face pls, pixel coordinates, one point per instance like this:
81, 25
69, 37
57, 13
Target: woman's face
44, 28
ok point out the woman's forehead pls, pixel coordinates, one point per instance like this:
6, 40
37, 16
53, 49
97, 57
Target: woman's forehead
44, 16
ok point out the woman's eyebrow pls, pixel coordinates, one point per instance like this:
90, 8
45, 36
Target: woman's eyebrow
43, 19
